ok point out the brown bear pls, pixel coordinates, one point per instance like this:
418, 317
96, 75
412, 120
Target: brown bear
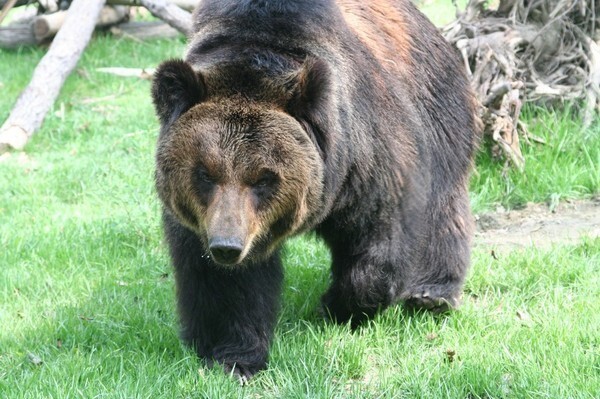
350, 118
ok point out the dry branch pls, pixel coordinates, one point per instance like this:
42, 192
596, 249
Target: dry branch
528, 50
140, 73
36, 100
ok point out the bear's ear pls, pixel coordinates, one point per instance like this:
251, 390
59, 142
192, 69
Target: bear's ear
310, 100
310, 86
175, 89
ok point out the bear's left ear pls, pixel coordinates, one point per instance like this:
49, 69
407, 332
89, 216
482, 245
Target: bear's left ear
310, 97
175, 89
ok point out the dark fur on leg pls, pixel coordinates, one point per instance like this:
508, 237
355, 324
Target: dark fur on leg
365, 283
436, 281
227, 314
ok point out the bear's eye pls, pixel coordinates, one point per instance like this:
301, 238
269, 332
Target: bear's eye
264, 187
203, 181
266, 179
204, 177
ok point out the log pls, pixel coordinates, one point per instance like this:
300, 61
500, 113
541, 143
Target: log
47, 25
48, 77
16, 35
187, 5
144, 30
171, 14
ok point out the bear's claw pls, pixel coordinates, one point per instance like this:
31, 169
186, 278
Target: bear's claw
243, 374
428, 299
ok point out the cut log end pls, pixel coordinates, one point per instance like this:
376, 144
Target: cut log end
13, 137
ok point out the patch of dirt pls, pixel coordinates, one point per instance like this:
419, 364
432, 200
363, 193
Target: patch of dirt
538, 225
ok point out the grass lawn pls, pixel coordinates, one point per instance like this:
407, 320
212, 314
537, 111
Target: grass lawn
87, 306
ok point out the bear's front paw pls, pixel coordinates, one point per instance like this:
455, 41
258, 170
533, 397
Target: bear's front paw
242, 372
431, 297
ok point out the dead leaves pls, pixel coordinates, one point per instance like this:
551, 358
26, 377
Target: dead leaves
524, 318
34, 359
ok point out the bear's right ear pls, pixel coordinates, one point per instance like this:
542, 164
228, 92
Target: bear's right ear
175, 89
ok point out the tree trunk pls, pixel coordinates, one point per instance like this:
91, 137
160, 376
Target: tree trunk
36, 100
17, 34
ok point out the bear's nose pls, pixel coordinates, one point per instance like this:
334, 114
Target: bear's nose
225, 250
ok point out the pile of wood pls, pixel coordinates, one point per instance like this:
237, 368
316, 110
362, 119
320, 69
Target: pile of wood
543, 51
70, 24
40, 23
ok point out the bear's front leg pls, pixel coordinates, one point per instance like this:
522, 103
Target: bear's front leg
361, 284
227, 314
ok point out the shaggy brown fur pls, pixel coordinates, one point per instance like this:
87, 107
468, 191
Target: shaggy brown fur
350, 118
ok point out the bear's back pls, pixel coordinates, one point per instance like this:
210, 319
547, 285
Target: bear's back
391, 67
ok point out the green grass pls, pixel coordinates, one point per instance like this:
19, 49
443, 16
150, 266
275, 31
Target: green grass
567, 166
86, 286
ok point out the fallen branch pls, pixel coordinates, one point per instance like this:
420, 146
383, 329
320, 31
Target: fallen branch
144, 30
48, 77
187, 5
141, 73
171, 14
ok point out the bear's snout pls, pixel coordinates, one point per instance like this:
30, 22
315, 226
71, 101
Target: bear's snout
226, 250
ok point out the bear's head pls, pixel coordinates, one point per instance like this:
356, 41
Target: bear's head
240, 172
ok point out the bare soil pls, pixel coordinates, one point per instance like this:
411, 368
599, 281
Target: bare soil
539, 225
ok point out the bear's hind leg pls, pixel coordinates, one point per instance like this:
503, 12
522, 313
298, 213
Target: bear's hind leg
439, 271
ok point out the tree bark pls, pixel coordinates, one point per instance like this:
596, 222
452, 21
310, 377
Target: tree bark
48, 77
